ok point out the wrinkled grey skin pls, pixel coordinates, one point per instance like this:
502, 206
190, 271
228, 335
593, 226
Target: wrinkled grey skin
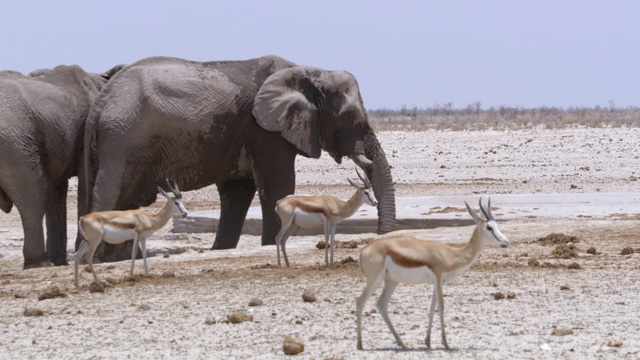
238, 124
42, 119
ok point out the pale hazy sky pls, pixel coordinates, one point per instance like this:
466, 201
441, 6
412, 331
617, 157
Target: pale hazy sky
415, 53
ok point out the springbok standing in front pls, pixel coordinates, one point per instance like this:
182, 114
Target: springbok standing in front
311, 212
408, 260
116, 227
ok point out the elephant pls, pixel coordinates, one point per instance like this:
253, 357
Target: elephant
42, 120
236, 124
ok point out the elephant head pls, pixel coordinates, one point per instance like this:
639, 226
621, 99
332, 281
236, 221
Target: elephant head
316, 109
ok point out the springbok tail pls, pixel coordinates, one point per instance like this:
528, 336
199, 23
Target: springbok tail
81, 251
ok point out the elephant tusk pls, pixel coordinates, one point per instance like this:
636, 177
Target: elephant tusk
362, 161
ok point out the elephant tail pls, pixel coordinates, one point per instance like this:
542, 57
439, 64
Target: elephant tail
90, 133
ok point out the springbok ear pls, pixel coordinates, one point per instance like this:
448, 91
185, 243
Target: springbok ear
473, 214
287, 103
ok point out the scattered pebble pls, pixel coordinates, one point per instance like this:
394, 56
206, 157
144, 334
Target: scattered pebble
292, 346
574, 266
112, 281
166, 256
33, 312
96, 287
511, 295
144, 307
574, 186
238, 317
210, 321
309, 296
348, 260
561, 332
591, 251
52, 291
498, 296
168, 274
564, 287
627, 251
20, 295
614, 343
533, 262
255, 302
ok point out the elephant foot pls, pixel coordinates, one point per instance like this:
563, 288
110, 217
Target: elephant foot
59, 261
227, 246
42, 261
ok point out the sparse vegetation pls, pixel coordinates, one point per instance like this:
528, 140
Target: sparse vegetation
473, 117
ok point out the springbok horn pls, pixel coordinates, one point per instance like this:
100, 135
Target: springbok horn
364, 178
483, 210
489, 209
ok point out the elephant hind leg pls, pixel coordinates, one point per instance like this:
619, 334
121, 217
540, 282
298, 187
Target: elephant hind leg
56, 213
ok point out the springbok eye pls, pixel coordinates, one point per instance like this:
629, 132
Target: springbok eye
489, 228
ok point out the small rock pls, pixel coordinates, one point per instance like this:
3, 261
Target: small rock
144, 307
166, 256
614, 343
351, 244
561, 332
112, 281
591, 251
255, 302
168, 274
298, 322
574, 266
33, 312
627, 251
52, 291
348, 260
96, 287
292, 346
210, 321
238, 317
308, 296
573, 186
20, 295
498, 296
564, 287
179, 236
511, 295
533, 262
443, 166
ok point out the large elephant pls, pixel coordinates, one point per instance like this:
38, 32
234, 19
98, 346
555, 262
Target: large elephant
42, 118
238, 124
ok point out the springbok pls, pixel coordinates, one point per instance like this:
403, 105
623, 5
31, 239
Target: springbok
116, 227
408, 260
311, 212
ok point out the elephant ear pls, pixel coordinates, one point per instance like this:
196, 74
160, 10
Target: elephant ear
111, 72
287, 102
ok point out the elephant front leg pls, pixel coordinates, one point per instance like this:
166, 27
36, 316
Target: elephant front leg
235, 199
56, 214
282, 186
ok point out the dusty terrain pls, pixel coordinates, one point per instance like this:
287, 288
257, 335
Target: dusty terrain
575, 300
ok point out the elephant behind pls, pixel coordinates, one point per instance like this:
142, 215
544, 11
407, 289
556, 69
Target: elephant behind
42, 118
238, 124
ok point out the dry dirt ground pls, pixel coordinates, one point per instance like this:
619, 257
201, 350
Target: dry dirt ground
573, 300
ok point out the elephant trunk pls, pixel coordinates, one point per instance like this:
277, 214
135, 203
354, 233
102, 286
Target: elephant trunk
379, 174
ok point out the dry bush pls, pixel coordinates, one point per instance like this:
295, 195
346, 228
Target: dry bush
473, 117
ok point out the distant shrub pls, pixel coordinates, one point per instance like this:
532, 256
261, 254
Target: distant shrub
473, 117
